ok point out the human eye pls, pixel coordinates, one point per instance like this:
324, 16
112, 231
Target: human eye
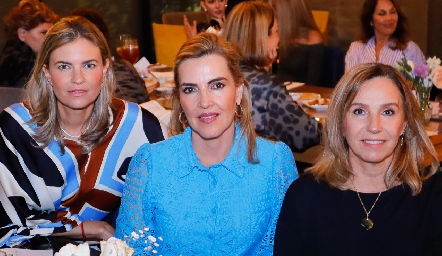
63, 66
90, 65
358, 111
211, 1
389, 112
218, 85
188, 89
381, 13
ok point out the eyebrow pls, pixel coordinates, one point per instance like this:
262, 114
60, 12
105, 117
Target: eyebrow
383, 105
69, 63
210, 81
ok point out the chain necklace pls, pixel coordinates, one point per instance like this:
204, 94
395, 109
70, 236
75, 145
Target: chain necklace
81, 134
366, 222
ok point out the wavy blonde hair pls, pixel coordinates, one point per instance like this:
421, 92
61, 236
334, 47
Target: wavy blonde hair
333, 165
248, 28
205, 44
39, 95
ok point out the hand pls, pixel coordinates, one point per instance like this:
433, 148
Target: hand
190, 29
93, 229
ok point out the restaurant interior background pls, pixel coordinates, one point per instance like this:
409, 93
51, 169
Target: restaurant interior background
135, 17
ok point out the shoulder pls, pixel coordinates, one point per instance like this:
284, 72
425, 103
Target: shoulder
276, 151
306, 187
315, 37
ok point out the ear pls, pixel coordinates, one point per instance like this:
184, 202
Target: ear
203, 4
105, 67
46, 72
21, 33
239, 93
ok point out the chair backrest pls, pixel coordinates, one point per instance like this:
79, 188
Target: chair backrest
333, 66
176, 18
321, 19
9, 96
168, 40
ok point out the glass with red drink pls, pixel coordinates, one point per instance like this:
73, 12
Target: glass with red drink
130, 51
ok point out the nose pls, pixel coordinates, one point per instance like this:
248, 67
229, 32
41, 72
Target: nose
374, 124
205, 100
217, 4
77, 76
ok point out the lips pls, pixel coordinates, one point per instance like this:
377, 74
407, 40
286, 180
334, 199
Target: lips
374, 142
78, 92
208, 117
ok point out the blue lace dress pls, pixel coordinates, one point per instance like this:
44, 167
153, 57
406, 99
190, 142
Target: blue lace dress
230, 208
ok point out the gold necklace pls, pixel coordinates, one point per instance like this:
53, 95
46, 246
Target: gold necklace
366, 222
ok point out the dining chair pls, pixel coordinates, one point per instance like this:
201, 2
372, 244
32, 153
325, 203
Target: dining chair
321, 19
176, 18
167, 41
9, 96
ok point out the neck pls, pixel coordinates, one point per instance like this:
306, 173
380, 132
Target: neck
75, 122
213, 151
368, 177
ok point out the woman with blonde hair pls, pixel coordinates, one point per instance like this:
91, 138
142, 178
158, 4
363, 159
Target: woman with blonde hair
252, 28
301, 48
215, 188
371, 191
64, 151
25, 27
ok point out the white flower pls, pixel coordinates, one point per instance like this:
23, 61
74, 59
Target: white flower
436, 76
433, 62
411, 64
74, 250
115, 247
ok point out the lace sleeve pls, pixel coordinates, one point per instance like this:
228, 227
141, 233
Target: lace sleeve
131, 223
286, 172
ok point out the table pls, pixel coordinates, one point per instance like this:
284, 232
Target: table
434, 129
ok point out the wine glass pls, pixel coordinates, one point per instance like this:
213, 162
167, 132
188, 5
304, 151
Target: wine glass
130, 51
121, 38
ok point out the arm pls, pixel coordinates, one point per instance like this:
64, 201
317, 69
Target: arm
191, 30
285, 172
414, 53
132, 215
351, 58
130, 86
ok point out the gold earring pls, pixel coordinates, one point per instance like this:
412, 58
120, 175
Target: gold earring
401, 140
239, 113
180, 117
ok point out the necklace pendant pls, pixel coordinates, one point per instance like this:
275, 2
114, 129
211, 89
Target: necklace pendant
367, 223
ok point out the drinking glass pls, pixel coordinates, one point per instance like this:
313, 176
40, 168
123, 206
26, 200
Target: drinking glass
121, 38
130, 51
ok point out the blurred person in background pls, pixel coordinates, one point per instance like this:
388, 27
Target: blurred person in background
252, 28
385, 37
301, 48
25, 28
216, 17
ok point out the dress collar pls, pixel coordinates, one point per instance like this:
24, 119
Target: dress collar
235, 161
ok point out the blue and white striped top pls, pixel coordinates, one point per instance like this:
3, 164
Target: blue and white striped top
360, 53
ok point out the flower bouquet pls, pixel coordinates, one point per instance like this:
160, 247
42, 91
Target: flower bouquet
423, 77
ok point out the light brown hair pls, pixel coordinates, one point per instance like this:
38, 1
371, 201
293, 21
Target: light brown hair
205, 44
248, 27
39, 93
28, 14
301, 19
333, 165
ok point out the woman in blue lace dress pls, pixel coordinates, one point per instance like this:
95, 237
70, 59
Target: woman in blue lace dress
215, 188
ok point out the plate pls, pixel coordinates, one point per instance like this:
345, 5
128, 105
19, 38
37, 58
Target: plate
316, 107
303, 96
292, 85
164, 88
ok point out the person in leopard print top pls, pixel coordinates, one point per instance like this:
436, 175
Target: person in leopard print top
252, 28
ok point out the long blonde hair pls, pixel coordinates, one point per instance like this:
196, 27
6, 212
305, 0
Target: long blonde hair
248, 28
39, 95
333, 165
205, 44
